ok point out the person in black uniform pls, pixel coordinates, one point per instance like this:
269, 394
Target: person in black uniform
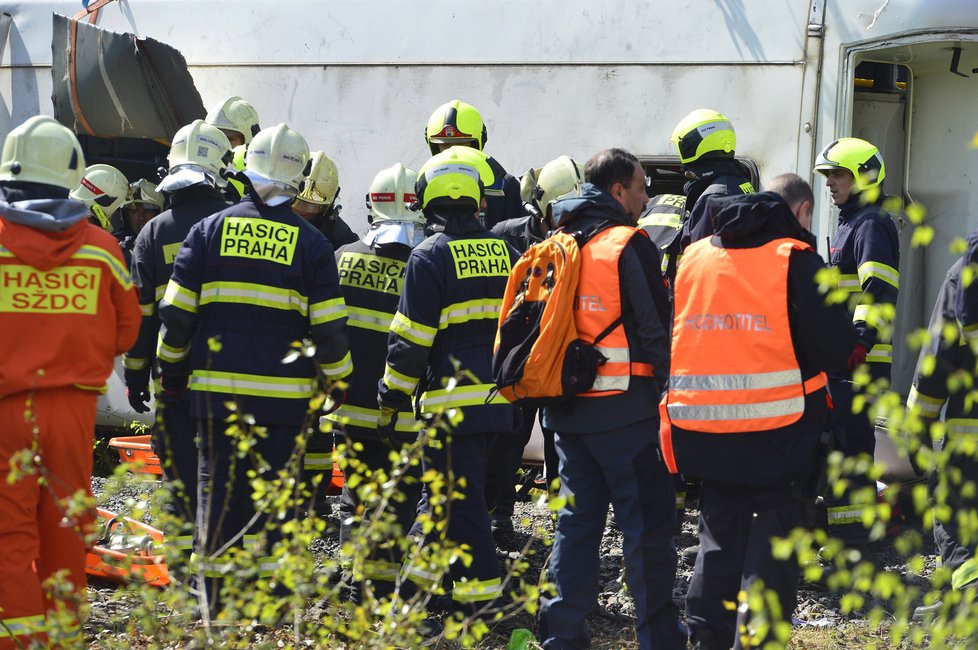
193, 189
372, 274
316, 202
706, 143
440, 353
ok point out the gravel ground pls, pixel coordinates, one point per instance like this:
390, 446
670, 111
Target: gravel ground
611, 620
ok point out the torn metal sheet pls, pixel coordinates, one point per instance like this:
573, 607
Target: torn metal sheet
112, 84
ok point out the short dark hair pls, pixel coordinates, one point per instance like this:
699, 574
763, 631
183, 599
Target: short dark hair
793, 189
610, 166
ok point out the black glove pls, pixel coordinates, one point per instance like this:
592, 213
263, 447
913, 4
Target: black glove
173, 387
138, 399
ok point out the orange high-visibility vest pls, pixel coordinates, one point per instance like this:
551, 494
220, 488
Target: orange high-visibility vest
598, 305
733, 364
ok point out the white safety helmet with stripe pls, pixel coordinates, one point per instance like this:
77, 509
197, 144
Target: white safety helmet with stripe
280, 155
391, 196
235, 114
104, 189
42, 150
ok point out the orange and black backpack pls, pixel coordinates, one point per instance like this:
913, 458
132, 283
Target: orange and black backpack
538, 359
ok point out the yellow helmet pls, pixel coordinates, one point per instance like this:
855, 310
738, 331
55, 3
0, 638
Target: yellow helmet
455, 123
144, 191
235, 114
704, 133
322, 184
456, 174
861, 158
202, 145
279, 154
559, 179
104, 189
392, 194
41, 150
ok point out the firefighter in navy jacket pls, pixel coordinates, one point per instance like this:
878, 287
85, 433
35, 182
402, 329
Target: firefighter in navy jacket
752, 337
247, 283
866, 252
447, 315
950, 352
372, 273
197, 158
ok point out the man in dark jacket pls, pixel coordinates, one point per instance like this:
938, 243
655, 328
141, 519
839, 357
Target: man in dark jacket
753, 338
193, 187
706, 143
606, 435
317, 202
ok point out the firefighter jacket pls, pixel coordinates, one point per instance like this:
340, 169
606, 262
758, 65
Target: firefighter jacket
663, 221
334, 228
866, 251
68, 305
371, 280
950, 350
715, 177
247, 283
440, 344
752, 338
154, 252
502, 197
520, 233
620, 276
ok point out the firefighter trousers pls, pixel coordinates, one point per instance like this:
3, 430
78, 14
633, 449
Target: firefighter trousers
854, 435
35, 543
174, 442
227, 519
478, 583
623, 468
949, 537
736, 527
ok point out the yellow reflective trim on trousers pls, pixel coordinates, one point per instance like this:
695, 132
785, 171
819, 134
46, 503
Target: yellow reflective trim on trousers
253, 385
417, 333
22, 625
399, 381
927, 406
368, 319
467, 395
421, 577
116, 267
840, 515
317, 462
473, 591
184, 541
253, 294
970, 331
160, 292
881, 271
962, 426
170, 354
380, 570
965, 574
463, 312
871, 315
134, 363
367, 418
147, 310
327, 310
338, 369
181, 297
881, 353
850, 282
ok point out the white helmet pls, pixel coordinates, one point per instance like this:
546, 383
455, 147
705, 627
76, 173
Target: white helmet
322, 184
558, 179
41, 150
528, 183
104, 189
392, 194
235, 114
144, 191
279, 154
203, 146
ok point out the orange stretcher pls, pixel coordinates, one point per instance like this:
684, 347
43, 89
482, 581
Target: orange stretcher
127, 550
137, 451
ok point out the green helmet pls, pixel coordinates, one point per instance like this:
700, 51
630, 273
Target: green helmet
455, 123
862, 159
704, 133
456, 174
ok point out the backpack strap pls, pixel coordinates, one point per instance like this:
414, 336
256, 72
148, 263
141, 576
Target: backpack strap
608, 330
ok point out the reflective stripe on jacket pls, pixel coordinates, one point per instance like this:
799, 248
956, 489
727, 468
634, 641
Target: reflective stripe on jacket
598, 306
733, 363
